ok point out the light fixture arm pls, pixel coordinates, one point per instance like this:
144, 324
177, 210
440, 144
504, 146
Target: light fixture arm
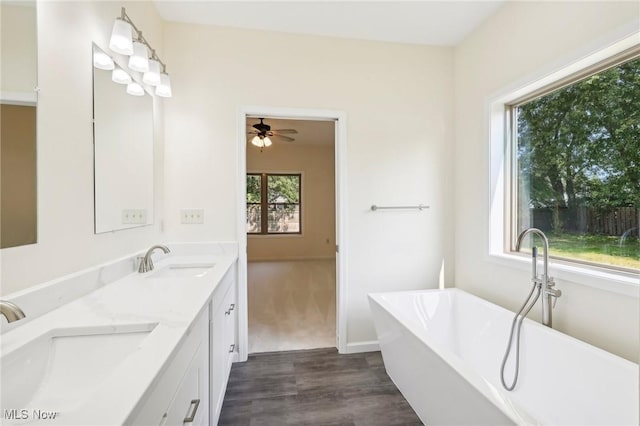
140, 38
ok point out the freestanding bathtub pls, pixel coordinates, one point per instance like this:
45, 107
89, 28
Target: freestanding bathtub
443, 349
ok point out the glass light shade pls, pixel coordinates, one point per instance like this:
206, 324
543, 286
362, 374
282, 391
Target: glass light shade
139, 61
121, 40
267, 141
257, 141
102, 61
164, 88
135, 89
152, 77
120, 76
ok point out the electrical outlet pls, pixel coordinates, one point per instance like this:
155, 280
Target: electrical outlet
192, 216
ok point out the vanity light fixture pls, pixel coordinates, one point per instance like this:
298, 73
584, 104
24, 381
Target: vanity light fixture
122, 41
139, 61
164, 88
120, 76
103, 61
135, 89
152, 77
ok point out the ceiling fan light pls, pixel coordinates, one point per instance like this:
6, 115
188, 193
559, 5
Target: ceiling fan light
257, 141
120, 76
139, 61
121, 40
267, 141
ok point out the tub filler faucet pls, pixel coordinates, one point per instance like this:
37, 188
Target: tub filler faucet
544, 285
11, 311
545, 282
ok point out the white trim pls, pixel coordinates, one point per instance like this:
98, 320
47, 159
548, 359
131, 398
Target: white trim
341, 214
19, 98
359, 347
499, 158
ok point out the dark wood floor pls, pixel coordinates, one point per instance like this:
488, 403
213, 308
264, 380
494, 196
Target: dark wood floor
314, 387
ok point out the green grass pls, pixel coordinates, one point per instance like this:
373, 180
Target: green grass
596, 248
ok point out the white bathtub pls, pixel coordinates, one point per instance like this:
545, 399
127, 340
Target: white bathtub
443, 349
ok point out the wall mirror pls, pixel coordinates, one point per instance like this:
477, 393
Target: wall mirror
122, 147
18, 104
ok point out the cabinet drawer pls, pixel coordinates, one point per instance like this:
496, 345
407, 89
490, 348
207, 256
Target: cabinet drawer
187, 407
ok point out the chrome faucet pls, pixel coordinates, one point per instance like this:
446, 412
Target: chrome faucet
545, 282
146, 263
11, 311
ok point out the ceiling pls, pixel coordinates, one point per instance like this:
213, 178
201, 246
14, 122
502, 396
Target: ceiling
310, 132
444, 23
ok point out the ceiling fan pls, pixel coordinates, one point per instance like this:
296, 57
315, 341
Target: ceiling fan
262, 134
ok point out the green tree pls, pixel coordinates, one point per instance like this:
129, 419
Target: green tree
580, 145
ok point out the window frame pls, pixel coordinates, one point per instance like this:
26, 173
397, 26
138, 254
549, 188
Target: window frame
511, 125
498, 233
264, 204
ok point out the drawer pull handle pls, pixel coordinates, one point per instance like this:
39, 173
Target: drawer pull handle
232, 347
195, 403
231, 308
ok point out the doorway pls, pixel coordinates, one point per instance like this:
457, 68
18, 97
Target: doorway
289, 256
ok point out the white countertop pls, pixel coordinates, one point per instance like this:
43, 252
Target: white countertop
136, 299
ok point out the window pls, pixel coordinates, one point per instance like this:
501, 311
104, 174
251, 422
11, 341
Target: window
273, 203
576, 167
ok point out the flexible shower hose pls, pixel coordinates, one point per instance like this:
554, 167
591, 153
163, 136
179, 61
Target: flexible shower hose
526, 307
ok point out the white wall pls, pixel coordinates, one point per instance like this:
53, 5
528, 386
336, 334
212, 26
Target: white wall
398, 102
18, 46
515, 45
317, 165
66, 241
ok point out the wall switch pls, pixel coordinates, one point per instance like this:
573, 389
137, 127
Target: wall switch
127, 216
191, 216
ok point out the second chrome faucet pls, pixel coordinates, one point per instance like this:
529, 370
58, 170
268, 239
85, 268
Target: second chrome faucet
146, 262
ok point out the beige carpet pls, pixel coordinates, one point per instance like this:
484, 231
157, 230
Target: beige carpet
292, 305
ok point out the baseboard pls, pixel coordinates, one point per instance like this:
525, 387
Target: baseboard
358, 347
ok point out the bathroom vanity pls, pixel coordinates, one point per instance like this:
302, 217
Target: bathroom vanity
150, 348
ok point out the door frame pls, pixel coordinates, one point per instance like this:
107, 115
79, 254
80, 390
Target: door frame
340, 149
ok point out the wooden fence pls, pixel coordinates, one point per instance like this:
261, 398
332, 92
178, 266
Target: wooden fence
615, 222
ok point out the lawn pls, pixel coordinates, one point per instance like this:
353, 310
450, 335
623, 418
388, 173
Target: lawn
597, 248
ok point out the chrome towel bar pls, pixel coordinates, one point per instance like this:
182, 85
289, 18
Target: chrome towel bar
418, 207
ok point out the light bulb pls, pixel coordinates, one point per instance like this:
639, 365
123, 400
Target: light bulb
120, 76
135, 89
267, 141
121, 41
102, 61
257, 141
139, 61
152, 77
164, 88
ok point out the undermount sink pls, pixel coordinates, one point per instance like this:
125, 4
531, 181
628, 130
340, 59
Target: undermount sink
183, 270
60, 369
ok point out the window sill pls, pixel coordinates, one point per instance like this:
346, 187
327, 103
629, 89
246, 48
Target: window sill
627, 284
261, 236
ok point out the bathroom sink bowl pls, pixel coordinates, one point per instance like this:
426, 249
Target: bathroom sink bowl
184, 270
59, 370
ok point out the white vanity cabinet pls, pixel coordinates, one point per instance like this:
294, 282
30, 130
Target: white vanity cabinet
223, 340
180, 395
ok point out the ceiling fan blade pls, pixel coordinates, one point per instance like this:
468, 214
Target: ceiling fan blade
284, 138
285, 131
